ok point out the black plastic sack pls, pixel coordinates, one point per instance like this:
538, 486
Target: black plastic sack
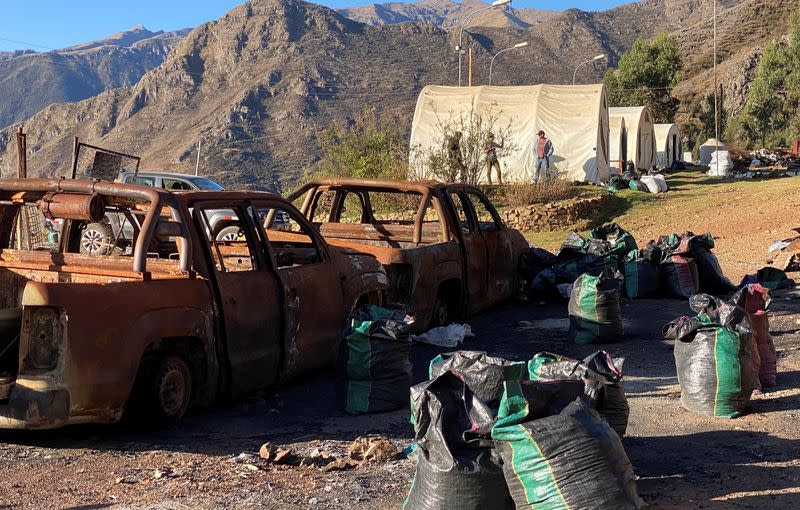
484, 375
457, 463
611, 403
374, 364
711, 279
617, 183
545, 284
679, 277
638, 185
534, 261
771, 278
595, 314
713, 357
571, 459
641, 273
587, 263
617, 241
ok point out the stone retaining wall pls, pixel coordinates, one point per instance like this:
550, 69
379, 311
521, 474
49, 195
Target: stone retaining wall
553, 215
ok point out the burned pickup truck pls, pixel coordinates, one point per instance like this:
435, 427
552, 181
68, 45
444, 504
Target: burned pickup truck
445, 249
85, 336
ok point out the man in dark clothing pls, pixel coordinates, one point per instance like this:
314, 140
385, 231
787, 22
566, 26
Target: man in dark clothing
490, 149
544, 150
454, 157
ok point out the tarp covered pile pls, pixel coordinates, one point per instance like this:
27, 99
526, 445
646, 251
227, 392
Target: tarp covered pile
374, 366
714, 356
678, 265
485, 434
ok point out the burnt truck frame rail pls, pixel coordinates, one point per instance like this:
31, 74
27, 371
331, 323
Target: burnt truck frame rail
86, 337
449, 256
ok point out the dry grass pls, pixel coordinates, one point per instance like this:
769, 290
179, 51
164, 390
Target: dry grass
518, 195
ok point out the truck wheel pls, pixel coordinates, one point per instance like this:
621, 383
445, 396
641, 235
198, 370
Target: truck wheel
229, 233
166, 390
97, 239
441, 313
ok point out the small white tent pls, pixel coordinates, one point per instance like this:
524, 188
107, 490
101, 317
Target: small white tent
668, 139
574, 118
641, 136
618, 142
707, 149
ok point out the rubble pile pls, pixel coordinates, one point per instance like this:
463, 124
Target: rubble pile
765, 163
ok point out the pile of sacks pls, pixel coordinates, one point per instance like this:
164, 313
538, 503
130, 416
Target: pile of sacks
653, 181
678, 265
492, 433
725, 352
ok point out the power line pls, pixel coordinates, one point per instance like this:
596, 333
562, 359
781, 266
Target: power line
26, 43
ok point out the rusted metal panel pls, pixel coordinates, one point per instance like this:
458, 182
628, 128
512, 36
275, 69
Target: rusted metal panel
72, 206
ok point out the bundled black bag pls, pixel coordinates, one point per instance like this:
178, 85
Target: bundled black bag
374, 364
545, 284
679, 276
559, 455
611, 402
713, 357
484, 375
770, 277
595, 314
534, 262
617, 183
710, 276
641, 272
617, 241
457, 463
638, 185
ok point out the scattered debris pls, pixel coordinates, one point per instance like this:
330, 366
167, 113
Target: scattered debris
372, 449
445, 336
365, 449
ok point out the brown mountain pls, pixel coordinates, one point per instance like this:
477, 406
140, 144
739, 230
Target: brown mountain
31, 80
259, 82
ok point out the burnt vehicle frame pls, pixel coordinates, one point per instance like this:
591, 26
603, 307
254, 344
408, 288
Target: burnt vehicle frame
93, 330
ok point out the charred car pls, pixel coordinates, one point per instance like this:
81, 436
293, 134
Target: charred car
446, 251
87, 336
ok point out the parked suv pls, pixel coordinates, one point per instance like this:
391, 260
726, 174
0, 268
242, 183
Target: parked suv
99, 238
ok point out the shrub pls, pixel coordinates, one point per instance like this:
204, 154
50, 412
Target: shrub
518, 195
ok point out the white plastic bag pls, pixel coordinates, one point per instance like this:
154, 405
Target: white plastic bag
445, 336
651, 183
723, 169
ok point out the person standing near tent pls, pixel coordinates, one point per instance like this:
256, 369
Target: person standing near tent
544, 150
454, 157
490, 150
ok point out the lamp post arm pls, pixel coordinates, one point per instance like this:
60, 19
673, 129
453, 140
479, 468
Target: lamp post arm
464, 22
575, 74
491, 64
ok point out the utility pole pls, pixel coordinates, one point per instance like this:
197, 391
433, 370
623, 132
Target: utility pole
716, 105
22, 154
197, 163
469, 76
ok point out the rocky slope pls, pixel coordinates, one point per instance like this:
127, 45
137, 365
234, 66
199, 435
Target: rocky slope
445, 14
29, 80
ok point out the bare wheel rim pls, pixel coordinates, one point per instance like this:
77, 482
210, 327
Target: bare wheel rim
92, 240
172, 389
231, 236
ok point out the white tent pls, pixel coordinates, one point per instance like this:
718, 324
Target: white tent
668, 140
707, 149
618, 142
574, 118
641, 136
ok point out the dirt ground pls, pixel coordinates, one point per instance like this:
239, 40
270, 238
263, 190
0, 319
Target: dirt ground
210, 461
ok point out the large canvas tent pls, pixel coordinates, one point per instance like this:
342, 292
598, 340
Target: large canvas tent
708, 148
641, 135
667, 144
618, 142
574, 118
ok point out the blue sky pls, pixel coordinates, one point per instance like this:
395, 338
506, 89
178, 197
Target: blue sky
51, 24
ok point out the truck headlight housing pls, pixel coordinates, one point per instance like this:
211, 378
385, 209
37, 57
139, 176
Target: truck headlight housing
43, 330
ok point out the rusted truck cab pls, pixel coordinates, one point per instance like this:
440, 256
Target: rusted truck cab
168, 316
446, 251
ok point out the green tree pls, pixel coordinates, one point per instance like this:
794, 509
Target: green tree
370, 146
645, 76
771, 113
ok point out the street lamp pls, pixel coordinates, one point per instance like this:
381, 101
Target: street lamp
459, 48
491, 64
575, 74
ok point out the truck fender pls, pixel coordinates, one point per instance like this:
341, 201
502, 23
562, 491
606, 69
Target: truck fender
362, 284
